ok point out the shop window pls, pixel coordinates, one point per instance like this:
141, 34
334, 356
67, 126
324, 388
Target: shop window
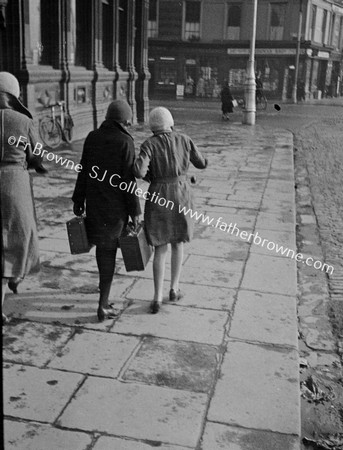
83, 34
325, 15
313, 21
48, 49
107, 33
167, 72
123, 34
192, 20
153, 19
332, 29
234, 22
277, 21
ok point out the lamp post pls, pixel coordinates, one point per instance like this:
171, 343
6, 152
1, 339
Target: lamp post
295, 85
249, 113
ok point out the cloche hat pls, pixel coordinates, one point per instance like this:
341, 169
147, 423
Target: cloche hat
160, 119
119, 111
10, 85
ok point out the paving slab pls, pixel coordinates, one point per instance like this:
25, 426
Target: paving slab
207, 297
35, 436
95, 353
268, 318
280, 222
33, 343
270, 274
137, 411
37, 394
224, 437
232, 250
179, 365
258, 388
58, 308
173, 322
284, 243
106, 443
218, 264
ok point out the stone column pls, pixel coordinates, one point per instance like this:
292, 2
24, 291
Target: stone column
132, 74
141, 60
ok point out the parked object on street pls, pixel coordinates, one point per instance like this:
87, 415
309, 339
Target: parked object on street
53, 129
164, 161
227, 101
107, 159
20, 251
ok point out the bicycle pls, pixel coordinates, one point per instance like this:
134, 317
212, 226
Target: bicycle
261, 101
53, 129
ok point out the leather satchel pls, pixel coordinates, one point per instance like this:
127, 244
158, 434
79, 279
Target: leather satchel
135, 248
77, 235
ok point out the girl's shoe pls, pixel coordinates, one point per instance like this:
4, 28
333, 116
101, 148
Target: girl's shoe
106, 313
13, 285
155, 306
174, 296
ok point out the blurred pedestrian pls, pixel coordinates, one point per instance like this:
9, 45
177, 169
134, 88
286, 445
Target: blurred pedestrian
107, 159
19, 249
226, 98
164, 161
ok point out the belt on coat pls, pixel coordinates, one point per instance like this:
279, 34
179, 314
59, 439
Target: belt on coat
170, 179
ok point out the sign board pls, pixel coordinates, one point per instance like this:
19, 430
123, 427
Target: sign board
262, 51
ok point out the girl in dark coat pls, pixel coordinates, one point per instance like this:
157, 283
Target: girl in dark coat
19, 249
164, 161
107, 159
226, 98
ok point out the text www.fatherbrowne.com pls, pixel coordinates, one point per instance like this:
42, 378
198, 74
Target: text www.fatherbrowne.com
256, 239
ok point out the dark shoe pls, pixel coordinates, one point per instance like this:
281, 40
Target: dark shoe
13, 285
155, 306
174, 296
106, 313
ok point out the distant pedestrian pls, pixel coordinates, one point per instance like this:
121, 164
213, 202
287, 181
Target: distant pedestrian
164, 161
19, 249
108, 152
226, 98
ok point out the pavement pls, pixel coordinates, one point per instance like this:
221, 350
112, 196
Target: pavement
217, 370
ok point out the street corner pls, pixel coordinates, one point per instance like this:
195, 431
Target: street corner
180, 365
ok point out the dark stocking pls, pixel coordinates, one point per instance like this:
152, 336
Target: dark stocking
106, 260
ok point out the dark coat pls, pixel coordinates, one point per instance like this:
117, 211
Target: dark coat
226, 98
107, 160
20, 251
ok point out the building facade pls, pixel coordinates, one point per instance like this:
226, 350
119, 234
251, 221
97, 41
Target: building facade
85, 52
194, 45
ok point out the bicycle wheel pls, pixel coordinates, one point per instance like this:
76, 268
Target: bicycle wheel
261, 103
67, 132
50, 132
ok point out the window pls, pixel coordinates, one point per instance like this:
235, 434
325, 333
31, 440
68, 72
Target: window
107, 33
153, 19
332, 29
192, 20
167, 72
277, 21
122, 9
340, 38
83, 36
325, 15
313, 21
234, 22
48, 49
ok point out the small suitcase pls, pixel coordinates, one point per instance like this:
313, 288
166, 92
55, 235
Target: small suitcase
77, 235
135, 249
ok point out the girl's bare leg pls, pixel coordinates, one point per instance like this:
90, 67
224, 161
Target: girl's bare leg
4, 282
158, 271
176, 265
